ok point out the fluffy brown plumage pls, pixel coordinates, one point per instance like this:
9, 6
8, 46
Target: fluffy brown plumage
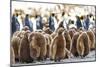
12, 56
92, 39
37, 46
58, 46
74, 44
83, 44
24, 49
15, 42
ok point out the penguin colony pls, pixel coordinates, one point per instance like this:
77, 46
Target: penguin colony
28, 47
